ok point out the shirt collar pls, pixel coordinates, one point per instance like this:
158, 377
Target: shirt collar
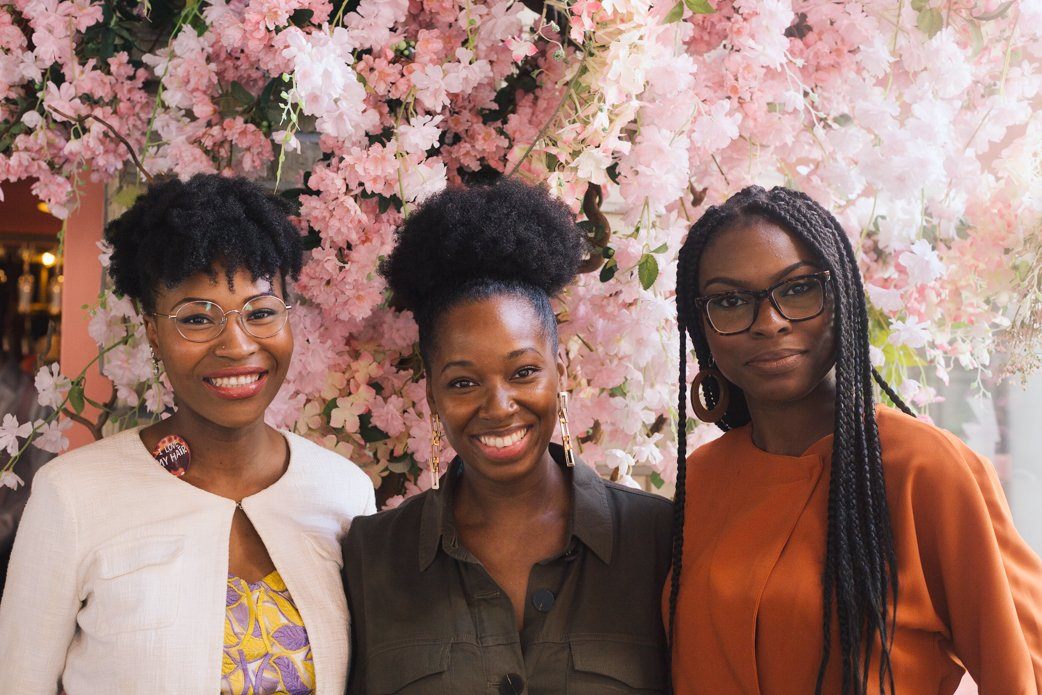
591, 522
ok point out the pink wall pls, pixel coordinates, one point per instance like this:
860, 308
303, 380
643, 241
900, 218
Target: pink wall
82, 283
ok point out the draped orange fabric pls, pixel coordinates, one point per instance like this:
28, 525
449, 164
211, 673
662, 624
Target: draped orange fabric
749, 613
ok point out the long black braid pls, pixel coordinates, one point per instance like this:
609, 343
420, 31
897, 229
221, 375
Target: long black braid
859, 582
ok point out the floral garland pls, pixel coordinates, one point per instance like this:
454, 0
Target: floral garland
914, 120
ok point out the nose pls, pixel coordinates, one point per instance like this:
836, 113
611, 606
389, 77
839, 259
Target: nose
234, 342
499, 404
769, 321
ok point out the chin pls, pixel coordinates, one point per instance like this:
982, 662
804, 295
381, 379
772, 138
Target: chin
787, 389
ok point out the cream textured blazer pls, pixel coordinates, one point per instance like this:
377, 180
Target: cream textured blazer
118, 577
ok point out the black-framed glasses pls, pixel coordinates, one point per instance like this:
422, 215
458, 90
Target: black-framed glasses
200, 321
796, 299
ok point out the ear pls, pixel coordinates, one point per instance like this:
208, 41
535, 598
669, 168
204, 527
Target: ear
152, 331
430, 392
562, 371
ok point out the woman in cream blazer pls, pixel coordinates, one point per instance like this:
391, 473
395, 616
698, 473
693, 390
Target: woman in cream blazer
131, 575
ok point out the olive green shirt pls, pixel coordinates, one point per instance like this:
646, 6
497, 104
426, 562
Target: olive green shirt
427, 617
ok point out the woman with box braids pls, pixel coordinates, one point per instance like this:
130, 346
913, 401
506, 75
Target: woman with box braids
787, 526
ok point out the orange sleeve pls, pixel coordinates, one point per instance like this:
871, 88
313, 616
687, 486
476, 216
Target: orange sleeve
983, 578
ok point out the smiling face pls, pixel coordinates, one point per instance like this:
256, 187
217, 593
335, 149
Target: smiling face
493, 377
776, 360
228, 380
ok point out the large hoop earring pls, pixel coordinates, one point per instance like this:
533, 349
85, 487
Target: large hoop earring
435, 462
566, 433
722, 401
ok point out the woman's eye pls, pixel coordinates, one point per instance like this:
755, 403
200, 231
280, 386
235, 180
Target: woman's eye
733, 301
797, 288
460, 384
526, 372
195, 320
260, 315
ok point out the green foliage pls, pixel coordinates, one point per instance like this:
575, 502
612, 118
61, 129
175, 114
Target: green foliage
930, 21
647, 271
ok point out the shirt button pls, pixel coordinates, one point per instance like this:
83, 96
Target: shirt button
543, 600
512, 684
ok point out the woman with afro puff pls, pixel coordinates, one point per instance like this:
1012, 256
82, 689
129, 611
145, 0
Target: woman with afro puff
521, 570
199, 554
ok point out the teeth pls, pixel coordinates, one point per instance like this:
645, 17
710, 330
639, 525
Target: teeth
225, 382
503, 442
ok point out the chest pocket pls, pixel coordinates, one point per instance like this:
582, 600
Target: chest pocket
133, 585
616, 666
413, 669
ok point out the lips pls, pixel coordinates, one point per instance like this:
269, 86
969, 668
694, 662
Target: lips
503, 445
776, 361
238, 383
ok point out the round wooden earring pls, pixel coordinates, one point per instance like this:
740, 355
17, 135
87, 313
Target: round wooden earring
723, 398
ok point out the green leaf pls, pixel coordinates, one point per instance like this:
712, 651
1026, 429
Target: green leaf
676, 14
656, 480
920, 5
400, 464
328, 409
700, 6
241, 94
76, 397
660, 249
842, 120
998, 13
647, 271
930, 21
370, 432
608, 270
126, 196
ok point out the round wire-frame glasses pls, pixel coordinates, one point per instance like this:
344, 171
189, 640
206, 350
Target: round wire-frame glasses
200, 321
795, 299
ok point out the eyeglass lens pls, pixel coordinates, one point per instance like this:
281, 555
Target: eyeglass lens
798, 299
261, 317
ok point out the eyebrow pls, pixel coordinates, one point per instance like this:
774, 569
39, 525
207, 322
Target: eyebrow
777, 276
185, 300
512, 355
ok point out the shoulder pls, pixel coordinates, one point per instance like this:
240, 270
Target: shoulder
398, 528
725, 445
914, 447
391, 523
632, 500
932, 464
93, 463
327, 468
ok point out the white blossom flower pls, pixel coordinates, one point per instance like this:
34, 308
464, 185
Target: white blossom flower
11, 432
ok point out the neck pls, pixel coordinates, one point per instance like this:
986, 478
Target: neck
790, 427
481, 501
240, 453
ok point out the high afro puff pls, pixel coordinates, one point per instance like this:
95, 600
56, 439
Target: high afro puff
472, 243
177, 229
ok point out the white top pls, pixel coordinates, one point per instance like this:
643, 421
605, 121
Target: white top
118, 576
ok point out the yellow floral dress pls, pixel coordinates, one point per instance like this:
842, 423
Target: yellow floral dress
266, 648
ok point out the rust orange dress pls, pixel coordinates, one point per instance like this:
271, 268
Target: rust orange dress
748, 617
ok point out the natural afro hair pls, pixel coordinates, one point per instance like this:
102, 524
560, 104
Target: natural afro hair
466, 244
177, 229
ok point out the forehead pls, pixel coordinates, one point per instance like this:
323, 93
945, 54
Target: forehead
489, 329
217, 288
753, 250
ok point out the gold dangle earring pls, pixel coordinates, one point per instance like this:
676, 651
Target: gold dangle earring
435, 463
566, 433
155, 362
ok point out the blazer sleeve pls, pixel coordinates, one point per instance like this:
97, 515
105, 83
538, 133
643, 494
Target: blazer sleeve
40, 601
982, 576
